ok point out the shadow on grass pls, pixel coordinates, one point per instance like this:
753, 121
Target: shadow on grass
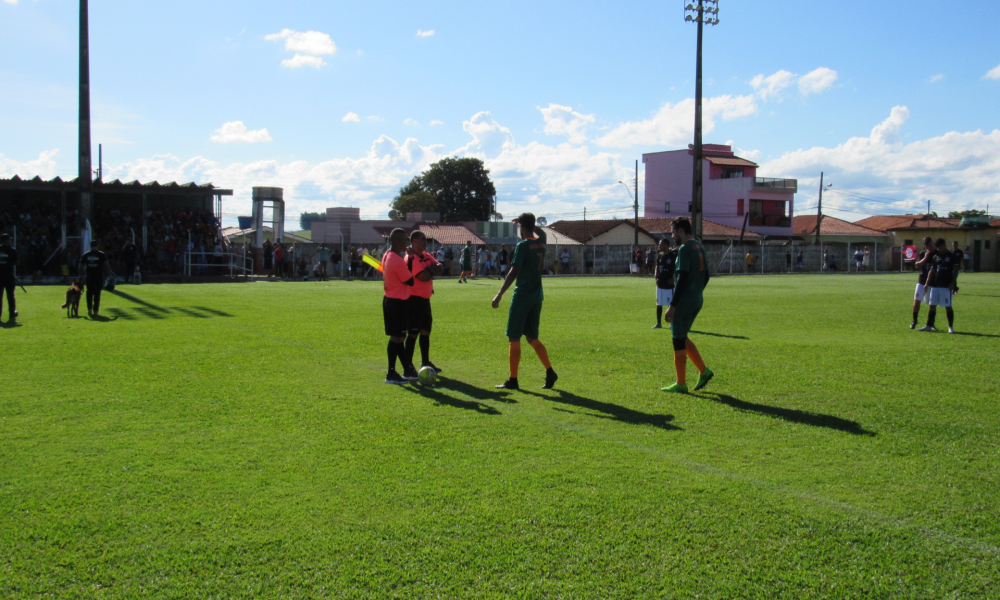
989, 335
132, 298
474, 392
445, 399
102, 318
120, 314
981, 295
732, 337
790, 414
212, 311
9, 324
611, 411
189, 313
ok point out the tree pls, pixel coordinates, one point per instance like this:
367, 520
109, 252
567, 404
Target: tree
306, 219
541, 221
460, 188
958, 214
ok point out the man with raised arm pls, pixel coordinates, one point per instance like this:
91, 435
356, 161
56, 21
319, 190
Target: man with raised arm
526, 304
691, 278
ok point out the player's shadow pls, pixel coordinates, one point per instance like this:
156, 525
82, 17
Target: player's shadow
790, 414
212, 311
10, 324
139, 301
474, 392
102, 318
989, 335
445, 399
121, 314
722, 335
610, 411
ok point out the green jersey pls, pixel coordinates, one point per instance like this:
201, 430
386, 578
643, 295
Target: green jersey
692, 260
528, 256
467, 258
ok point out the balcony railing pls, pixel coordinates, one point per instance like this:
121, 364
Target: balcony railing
770, 221
778, 185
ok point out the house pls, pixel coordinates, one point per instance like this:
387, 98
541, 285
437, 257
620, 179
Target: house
614, 232
732, 194
235, 235
909, 230
710, 230
849, 236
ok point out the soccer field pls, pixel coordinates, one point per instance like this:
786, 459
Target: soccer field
238, 441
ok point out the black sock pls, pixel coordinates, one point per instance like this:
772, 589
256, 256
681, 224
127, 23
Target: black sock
951, 317
411, 344
930, 318
916, 314
425, 348
659, 314
394, 350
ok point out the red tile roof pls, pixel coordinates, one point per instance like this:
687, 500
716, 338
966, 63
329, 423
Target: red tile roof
806, 225
709, 229
449, 234
582, 230
730, 162
891, 222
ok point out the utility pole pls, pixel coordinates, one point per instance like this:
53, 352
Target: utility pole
636, 228
697, 13
819, 208
928, 208
83, 172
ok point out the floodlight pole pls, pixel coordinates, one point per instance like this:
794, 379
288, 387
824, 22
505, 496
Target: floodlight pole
697, 14
83, 172
819, 207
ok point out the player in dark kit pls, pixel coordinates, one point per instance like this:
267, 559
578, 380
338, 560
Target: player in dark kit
664, 275
924, 265
94, 269
8, 260
691, 278
424, 267
959, 257
941, 281
526, 305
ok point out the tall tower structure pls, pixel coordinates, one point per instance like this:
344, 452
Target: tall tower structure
84, 173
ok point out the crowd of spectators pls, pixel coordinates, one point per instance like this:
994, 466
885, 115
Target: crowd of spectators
170, 234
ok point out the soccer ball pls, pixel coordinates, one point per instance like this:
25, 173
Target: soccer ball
427, 375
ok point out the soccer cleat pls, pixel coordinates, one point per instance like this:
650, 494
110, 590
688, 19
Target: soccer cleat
676, 388
913, 325
657, 326
431, 365
394, 377
951, 330
410, 373
703, 379
510, 384
927, 328
550, 379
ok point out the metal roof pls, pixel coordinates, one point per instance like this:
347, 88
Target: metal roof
58, 184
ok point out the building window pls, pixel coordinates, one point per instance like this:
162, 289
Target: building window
739, 207
666, 207
987, 244
769, 213
732, 172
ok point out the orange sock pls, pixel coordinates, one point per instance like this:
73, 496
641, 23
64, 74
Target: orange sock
692, 352
514, 356
681, 365
542, 353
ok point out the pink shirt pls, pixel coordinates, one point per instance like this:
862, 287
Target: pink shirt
421, 262
394, 273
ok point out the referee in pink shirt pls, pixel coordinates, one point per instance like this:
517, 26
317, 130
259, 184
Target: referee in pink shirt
397, 281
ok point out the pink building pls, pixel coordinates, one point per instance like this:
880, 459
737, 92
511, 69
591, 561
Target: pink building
731, 191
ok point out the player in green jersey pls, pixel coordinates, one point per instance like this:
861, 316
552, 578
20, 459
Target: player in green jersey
692, 277
526, 304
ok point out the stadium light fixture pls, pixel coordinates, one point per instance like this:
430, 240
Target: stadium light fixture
699, 12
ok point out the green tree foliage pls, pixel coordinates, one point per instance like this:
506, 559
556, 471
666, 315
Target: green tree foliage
958, 214
306, 219
460, 189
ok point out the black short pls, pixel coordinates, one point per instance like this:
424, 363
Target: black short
394, 314
420, 314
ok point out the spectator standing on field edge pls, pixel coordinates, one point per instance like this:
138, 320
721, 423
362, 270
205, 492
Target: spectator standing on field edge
564, 258
94, 269
798, 261
788, 260
749, 268
8, 260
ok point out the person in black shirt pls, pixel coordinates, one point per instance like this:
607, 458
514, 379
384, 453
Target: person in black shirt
923, 265
129, 254
8, 260
959, 260
941, 281
666, 264
94, 269
502, 260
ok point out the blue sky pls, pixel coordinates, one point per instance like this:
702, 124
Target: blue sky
342, 103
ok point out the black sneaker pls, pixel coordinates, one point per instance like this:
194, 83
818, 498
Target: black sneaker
431, 365
510, 384
410, 374
913, 325
550, 379
394, 377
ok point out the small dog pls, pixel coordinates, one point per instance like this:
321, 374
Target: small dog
73, 294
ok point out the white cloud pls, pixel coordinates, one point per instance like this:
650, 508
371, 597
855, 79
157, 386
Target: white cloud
351, 118
436, 122
425, 33
44, 166
955, 170
374, 118
489, 138
302, 60
935, 78
563, 120
773, 85
10, 1
817, 81
305, 42
236, 131
410, 122
993, 73
673, 125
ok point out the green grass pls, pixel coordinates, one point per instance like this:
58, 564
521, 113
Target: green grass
237, 441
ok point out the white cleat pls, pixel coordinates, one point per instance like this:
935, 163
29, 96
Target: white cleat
928, 328
951, 330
